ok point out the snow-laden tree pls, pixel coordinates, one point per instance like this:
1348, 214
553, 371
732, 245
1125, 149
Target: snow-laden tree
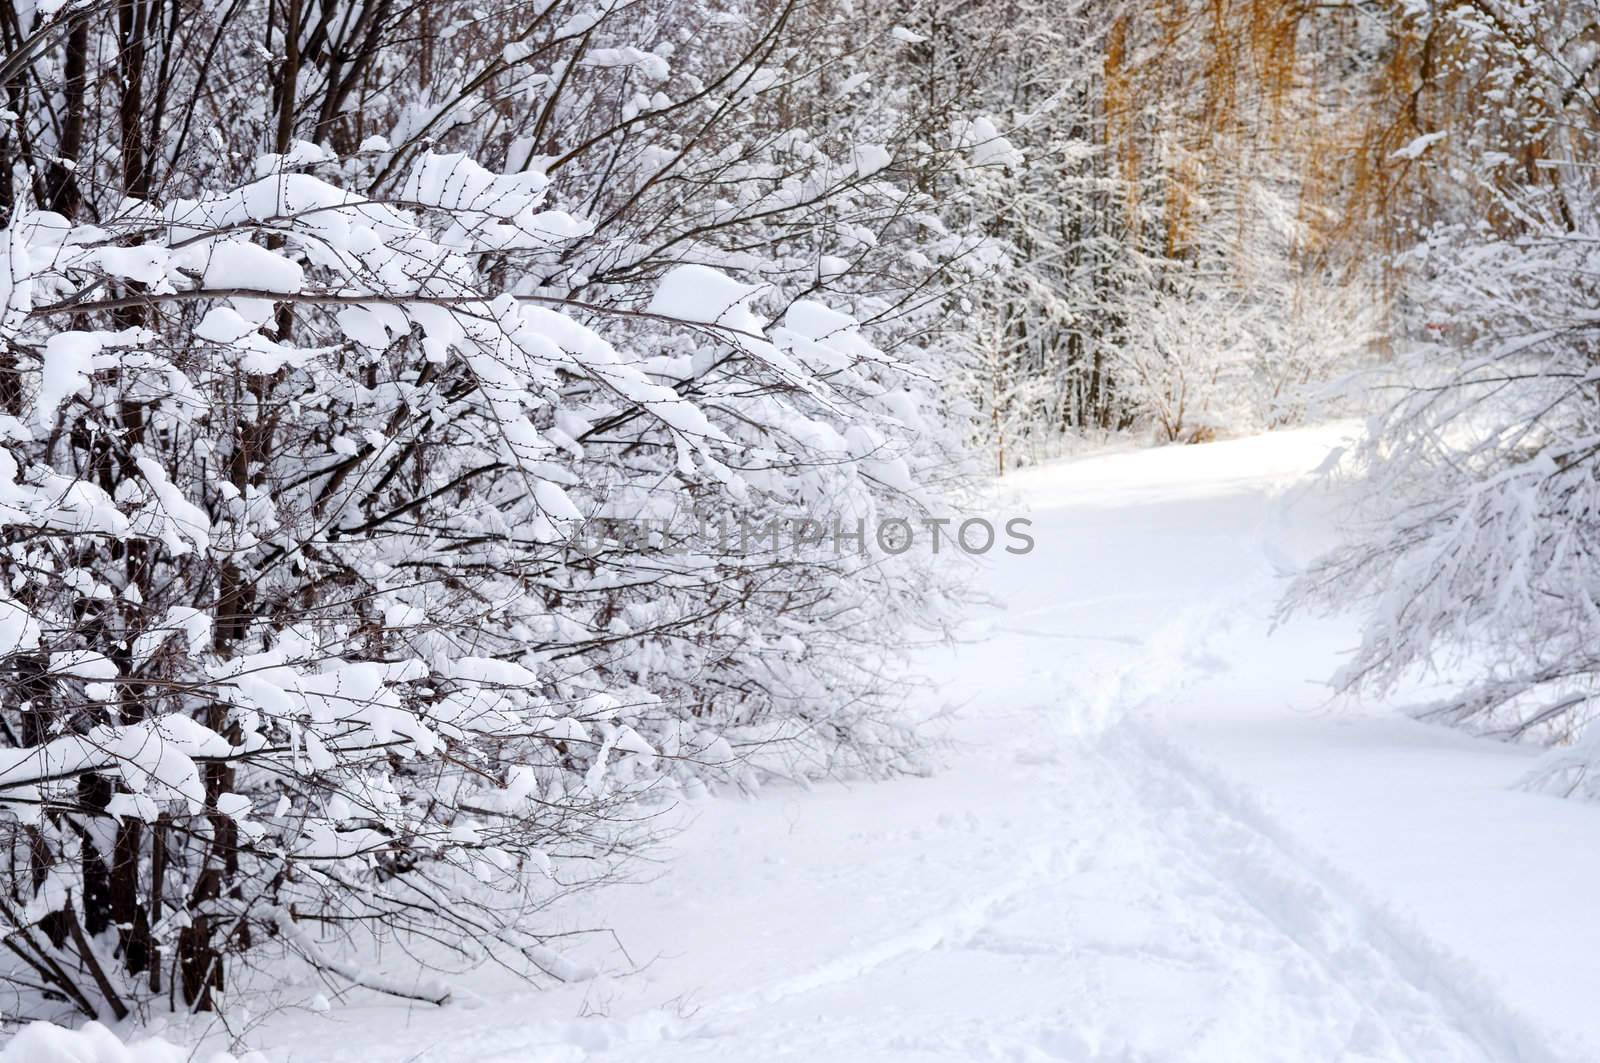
1245, 330
1478, 550
388, 511
1048, 304
1223, 116
1162, 214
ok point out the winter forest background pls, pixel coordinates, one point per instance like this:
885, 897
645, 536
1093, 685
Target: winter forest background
327, 324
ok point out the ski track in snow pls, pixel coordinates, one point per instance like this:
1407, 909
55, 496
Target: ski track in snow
1074, 886
1163, 927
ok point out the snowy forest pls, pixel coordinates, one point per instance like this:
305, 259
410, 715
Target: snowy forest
745, 529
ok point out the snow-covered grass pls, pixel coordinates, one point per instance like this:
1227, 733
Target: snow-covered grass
1153, 837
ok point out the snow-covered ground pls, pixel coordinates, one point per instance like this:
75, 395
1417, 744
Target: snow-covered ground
1153, 836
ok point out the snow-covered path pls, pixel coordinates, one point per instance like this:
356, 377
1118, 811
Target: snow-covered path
1110, 906
1151, 839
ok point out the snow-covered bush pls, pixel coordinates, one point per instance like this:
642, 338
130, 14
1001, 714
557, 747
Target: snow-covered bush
1479, 545
1483, 477
1206, 355
319, 622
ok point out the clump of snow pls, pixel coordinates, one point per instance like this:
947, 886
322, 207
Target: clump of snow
1417, 146
241, 264
707, 296
652, 66
984, 144
300, 153
870, 159
43, 1042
